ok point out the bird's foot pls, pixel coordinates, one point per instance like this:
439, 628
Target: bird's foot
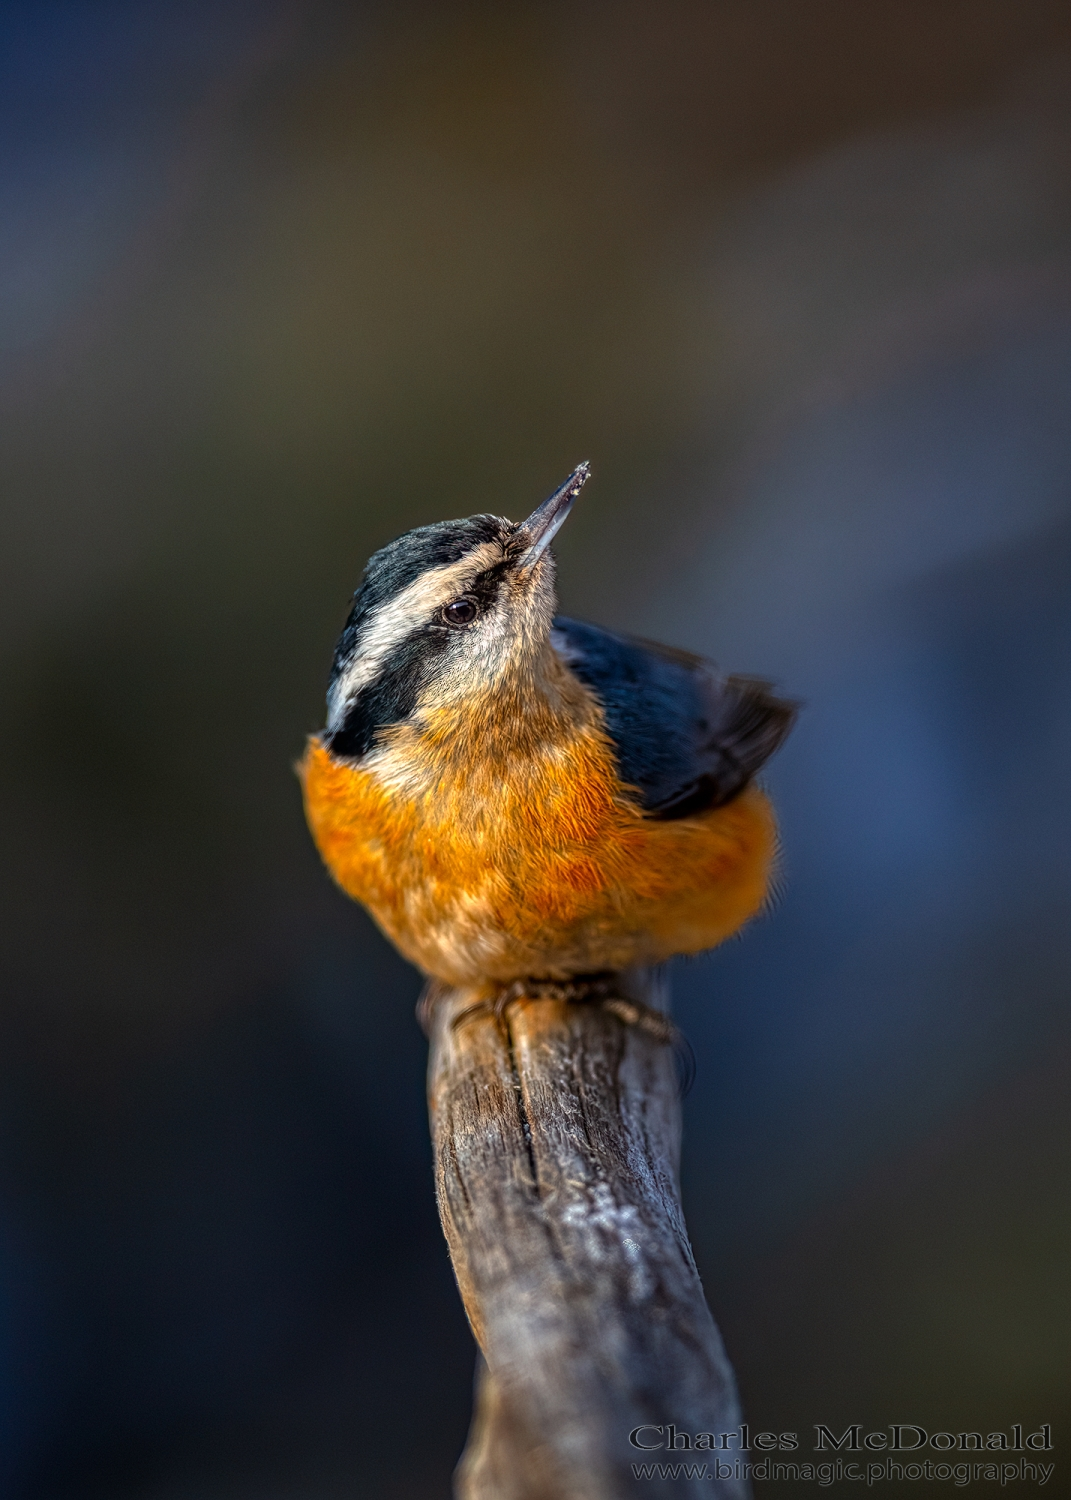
603, 990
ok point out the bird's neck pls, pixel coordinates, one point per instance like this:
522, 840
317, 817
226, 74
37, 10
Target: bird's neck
530, 710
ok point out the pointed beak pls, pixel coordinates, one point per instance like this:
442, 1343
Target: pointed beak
544, 523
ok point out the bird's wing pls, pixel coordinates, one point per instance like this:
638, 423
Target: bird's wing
687, 738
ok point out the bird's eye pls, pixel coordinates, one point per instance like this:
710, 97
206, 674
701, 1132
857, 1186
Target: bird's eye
460, 612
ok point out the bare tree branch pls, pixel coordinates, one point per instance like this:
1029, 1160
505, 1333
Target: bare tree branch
556, 1131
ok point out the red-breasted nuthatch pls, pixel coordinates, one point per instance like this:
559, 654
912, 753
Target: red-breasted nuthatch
515, 795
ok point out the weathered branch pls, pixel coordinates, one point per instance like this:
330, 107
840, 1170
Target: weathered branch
556, 1132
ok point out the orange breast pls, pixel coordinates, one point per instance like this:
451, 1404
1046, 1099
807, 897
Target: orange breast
536, 862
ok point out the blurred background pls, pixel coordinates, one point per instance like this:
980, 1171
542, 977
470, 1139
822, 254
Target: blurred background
280, 280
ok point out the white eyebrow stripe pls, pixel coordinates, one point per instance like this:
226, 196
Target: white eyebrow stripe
388, 626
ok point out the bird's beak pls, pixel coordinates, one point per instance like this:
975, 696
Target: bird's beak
545, 521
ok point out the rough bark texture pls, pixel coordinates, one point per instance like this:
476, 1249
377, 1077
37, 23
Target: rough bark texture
556, 1130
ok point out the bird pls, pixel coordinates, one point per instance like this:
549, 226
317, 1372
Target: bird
517, 795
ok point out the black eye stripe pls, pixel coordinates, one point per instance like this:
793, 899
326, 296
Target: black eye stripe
402, 561
392, 694
485, 586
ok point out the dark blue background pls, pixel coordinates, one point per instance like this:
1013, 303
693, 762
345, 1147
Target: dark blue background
279, 281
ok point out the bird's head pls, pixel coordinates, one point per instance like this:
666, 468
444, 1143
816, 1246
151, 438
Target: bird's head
442, 613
